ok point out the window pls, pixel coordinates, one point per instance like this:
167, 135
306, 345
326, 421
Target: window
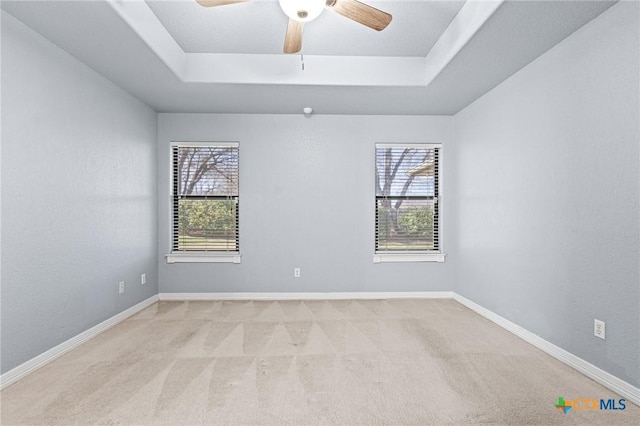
205, 202
407, 209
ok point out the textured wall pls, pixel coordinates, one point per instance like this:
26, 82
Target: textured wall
78, 196
306, 200
547, 173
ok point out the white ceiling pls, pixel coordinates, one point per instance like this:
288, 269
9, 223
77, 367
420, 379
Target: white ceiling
435, 57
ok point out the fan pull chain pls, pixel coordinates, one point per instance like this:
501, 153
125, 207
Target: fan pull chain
302, 60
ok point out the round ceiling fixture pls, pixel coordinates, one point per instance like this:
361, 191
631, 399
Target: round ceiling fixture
302, 10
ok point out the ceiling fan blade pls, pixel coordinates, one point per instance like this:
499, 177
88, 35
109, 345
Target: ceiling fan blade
211, 3
360, 12
293, 39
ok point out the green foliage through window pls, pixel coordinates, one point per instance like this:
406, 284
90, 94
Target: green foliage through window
207, 224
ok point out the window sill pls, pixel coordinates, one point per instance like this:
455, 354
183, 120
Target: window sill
203, 257
408, 257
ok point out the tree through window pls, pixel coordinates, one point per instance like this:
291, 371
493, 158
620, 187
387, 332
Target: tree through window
205, 197
406, 198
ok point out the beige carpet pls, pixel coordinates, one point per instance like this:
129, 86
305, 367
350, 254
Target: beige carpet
305, 362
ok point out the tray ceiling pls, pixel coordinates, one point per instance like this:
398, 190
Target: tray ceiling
436, 57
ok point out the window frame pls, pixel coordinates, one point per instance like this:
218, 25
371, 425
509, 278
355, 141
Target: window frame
183, 256
437, 255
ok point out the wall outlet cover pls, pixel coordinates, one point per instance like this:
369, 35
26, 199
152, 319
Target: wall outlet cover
599, 328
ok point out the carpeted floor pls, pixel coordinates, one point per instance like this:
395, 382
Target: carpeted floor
305, 362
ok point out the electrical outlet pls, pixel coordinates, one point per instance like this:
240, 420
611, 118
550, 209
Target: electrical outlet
121, 287
599, 329
143, 279
296, 272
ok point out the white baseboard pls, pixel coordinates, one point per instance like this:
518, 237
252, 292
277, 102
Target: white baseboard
608, 380
43, 359
308, 296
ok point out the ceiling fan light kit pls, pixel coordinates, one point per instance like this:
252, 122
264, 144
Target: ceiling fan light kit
301, 11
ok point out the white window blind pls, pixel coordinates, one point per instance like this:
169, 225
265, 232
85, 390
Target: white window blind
205, 197
407, 198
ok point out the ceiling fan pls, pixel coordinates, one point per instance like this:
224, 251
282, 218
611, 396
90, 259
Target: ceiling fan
301, 11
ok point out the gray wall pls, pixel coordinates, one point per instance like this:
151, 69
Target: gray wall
547, 173
78, 196
306, 200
